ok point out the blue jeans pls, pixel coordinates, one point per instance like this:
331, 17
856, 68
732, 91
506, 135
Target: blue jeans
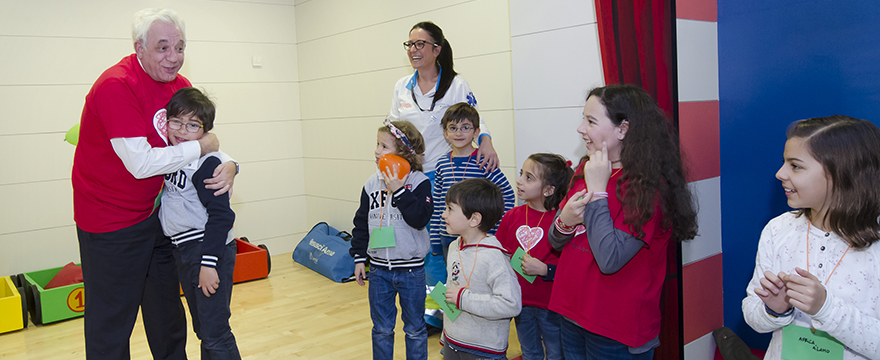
210, 315
578, 343
385, 285
534, 325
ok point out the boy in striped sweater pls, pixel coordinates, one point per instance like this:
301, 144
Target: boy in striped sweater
461, 124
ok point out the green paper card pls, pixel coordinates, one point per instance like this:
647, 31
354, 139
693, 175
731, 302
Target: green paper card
382, 237
439, 295
516, 263
801, 343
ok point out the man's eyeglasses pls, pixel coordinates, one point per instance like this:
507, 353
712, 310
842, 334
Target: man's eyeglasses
464, 129
190, 127
418, 44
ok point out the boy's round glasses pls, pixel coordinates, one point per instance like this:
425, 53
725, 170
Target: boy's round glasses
464, 129
418, 44
190, 127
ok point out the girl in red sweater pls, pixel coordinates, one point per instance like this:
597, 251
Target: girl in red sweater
625, 204
542, 183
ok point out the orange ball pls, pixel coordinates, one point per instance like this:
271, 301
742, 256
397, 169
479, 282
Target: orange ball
389, 161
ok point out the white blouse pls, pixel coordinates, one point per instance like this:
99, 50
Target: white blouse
850, 313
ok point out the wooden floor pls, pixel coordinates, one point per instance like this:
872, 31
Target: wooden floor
293, 314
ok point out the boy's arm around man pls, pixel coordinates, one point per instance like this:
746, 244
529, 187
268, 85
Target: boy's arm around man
220, 221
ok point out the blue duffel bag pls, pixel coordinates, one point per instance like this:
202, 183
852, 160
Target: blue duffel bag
325, 250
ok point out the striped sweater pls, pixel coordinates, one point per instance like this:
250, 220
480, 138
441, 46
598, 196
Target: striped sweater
451, 170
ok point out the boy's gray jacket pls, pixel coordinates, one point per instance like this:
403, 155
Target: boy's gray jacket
492, 297
408, 210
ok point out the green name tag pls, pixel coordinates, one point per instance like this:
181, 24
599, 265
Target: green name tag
516, 263
801, 343
382, 237
439, 295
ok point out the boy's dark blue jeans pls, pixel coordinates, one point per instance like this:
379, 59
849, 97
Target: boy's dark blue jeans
210, 315
385, 286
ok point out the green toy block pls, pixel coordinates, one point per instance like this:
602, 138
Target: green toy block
56, 304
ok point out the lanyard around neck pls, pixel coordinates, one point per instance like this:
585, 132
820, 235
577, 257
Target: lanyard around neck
467, 279
467, 163
412, 88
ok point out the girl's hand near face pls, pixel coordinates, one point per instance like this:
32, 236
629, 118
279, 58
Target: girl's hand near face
392, 182
597, 170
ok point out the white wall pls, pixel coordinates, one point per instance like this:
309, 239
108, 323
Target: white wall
350, 58
54, 50
556, 61
303, 125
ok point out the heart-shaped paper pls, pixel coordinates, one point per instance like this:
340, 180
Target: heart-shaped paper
528, 237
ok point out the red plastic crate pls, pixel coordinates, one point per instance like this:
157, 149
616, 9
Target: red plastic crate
251, 261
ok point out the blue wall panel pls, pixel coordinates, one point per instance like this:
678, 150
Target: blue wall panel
780, 61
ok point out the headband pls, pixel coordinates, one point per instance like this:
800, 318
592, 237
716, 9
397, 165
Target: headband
399, 135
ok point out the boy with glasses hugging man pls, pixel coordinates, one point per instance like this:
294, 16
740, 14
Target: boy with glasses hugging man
461, 124
200, 227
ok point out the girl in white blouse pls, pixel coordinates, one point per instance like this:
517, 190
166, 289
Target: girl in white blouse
816, 283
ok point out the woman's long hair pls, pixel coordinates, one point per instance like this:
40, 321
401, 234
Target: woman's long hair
651, 160
444, 60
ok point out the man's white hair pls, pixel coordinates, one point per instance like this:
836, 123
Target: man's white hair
144, 19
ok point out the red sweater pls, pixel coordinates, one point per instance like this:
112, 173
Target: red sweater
123, 103
624, 306
536, 294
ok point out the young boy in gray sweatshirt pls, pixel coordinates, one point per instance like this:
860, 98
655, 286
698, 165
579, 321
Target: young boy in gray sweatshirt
480, 281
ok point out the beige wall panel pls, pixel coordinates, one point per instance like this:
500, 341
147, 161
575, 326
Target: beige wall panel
337, 213
35, 205
281, 244
104, 18
267, 180
208, 62
354, 52
38, 249
549, 130
379, 46
270, 218
318, 19
254, 102
474, 28
34, 158
500, 123
216, 20
73, 61
359, 95
261, 221
337, 179
528, 17
261, 141
233, 21
489, 78
346, 138
511, 173
59, 107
